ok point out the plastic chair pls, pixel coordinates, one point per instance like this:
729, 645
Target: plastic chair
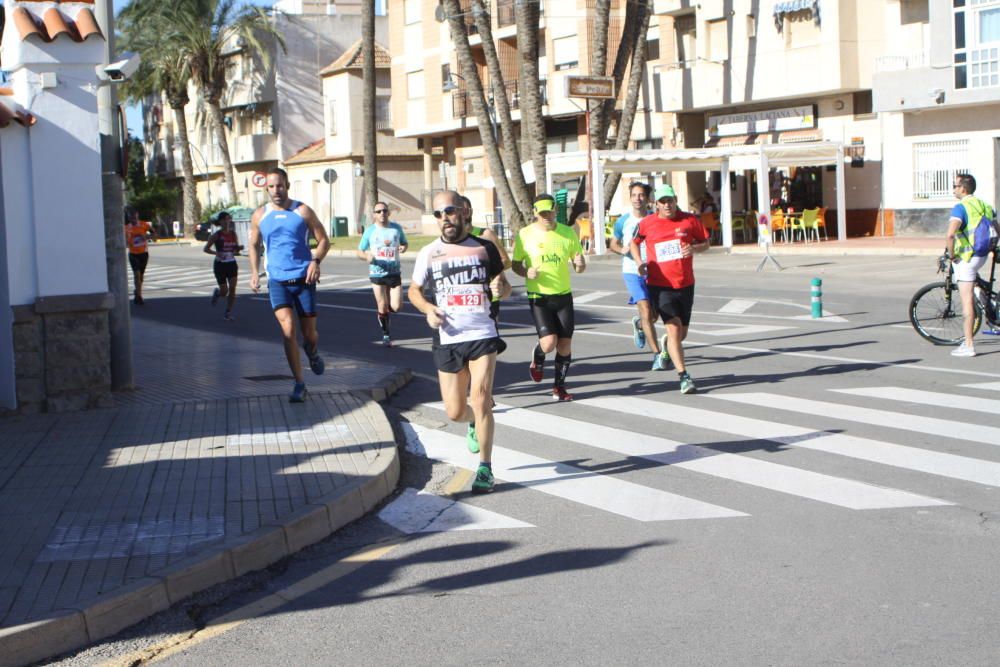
795, 223
745, 225
821, 224
778, 225
810, 216
711, 222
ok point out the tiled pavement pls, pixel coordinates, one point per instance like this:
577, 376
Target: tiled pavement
203, 473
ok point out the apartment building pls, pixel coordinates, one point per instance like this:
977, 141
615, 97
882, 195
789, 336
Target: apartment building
272, 111
430, 101
747, 72
937, 90
329, 173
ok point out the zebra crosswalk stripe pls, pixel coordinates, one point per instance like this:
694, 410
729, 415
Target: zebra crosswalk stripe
941, 464
989, 386
755, 472
562, 480
422, 512
946, 428
939, 399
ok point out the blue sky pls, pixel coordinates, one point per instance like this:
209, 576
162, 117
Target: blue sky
133, 115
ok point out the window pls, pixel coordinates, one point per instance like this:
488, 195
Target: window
652, 50
411, 12
977, 44
415, 84
718, 40
566, 55
684, 27
935, 164
446, 81
383, 114
862, 102
331, 117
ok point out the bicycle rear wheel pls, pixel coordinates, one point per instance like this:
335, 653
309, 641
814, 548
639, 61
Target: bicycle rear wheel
937, 316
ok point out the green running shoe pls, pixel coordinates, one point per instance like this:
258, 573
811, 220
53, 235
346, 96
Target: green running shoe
484, 480
687, 385
471, 440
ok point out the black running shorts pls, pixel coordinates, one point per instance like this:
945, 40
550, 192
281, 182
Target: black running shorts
138, 261
673, 303
224, 271
553, 314
389, 280
453, 357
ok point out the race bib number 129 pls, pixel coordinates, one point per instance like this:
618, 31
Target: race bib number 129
464, 299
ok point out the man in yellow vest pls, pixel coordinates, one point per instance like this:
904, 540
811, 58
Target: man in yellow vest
968, 214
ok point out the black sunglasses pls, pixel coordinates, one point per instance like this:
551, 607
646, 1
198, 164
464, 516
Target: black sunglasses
447, 210
381, 210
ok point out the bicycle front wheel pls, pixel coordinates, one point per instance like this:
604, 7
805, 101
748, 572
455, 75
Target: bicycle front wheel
937, 315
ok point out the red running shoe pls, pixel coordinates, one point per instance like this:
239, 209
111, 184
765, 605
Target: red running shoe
535, 371
560, 394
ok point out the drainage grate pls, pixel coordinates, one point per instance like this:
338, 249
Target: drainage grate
268, 378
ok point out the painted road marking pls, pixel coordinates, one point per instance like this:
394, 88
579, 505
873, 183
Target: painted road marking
863, 449
989, 386
946, 428
565, 481
737, 306
592, 296
423, 512
939, 399
748, 470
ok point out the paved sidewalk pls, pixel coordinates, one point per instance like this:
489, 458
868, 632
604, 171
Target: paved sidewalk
202, 474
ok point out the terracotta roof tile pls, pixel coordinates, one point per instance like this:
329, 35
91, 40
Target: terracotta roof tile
353, 59
56, 20
314, 151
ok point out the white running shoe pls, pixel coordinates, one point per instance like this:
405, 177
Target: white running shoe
964, 350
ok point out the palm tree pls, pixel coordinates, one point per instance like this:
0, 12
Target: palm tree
368, 101
203, 30
527, 16
164, 70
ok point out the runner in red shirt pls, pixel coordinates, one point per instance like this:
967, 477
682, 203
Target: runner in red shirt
671, 238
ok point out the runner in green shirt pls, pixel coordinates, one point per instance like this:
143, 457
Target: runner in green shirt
543, 252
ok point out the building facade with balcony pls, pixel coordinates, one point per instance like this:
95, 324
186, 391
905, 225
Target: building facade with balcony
742, 72
938, 93
430, 102
341, 150
272, 110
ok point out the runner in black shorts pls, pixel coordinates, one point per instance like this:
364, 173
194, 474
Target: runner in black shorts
451, 287
381, 245
543, 252
225, 245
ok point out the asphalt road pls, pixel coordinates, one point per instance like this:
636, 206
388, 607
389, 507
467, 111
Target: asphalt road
829, 497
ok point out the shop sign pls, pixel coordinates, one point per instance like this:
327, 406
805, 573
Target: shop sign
761, 122
594, 87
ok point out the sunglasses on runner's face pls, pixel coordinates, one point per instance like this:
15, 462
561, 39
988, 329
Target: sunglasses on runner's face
381, 210
447, 210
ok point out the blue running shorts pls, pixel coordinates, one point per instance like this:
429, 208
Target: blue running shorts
637, 290
293, 293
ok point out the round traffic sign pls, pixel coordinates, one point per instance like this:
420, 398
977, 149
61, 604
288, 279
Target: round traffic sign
329, 176
259, 179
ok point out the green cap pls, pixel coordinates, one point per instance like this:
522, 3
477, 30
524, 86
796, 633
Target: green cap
665, 190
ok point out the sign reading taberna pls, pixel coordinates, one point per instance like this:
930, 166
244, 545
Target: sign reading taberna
762, 122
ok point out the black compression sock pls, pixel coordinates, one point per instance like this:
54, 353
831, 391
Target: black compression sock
562, 368
383, 321
538, 355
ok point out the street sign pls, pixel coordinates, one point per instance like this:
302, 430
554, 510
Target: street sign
329, 176
597, 87
259, 179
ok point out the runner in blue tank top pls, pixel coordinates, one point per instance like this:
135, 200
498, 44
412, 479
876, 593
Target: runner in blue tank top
284, 226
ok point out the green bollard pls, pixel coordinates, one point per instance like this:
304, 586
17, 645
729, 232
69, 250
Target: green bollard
817, 298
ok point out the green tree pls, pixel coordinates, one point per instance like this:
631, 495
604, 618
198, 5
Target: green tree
151, 196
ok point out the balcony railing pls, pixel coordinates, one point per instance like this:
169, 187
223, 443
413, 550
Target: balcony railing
505, 13
461, 104
899, 63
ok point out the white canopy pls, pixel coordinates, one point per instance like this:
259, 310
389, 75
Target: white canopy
725, 159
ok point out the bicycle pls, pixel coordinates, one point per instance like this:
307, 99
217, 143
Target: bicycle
936, 309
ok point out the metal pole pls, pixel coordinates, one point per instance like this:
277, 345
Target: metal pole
119, 317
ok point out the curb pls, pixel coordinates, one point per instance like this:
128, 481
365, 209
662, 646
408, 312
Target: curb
65, 630
780, 251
